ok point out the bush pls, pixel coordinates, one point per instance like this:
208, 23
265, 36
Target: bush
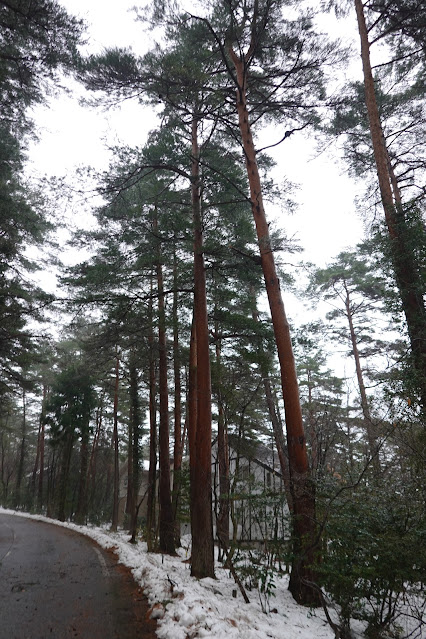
374, 556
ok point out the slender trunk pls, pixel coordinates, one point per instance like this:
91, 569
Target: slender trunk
178, 443
135, 421
130, 499
404, 261
369, 425
304, 520
81, 509
50, 492
152, 472
192, 412
116, 480
277, 427
22, 450
201, 513
167, 541
315, 461
91, 475
36, 465
42, 442
222, 523
64, 475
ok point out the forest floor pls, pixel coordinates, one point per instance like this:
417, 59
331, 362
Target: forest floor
188, 608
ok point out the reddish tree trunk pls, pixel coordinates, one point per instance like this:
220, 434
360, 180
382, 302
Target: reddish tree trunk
192, 408
200, 462
304, 523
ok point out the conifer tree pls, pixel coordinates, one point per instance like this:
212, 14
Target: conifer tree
387, 113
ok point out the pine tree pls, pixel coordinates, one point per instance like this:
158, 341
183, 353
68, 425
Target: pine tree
387, 114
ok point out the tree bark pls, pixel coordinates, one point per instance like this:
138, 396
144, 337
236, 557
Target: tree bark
178, 443
304, 523
192, 412
116, 481
41, 444
222, 523
135, 423
167, 541
22, 451
64, 475
93, 455
201, 472
129, 495
80, 514
152, 471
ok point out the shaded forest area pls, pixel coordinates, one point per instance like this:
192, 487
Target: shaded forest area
172, 350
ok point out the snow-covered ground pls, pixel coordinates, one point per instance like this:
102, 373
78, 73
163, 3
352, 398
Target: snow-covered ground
187, 608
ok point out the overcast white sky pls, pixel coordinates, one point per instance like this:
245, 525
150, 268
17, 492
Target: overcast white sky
72, 135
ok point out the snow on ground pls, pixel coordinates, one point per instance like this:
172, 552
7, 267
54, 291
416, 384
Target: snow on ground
188, 608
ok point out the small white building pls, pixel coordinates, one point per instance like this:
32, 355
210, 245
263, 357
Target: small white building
258, 507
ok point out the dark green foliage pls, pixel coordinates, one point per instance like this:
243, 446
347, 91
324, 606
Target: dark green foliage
37, 40
404, 23
402, 112
68, 413
22, 224
374, 553
405, 378
71, 403
322, 393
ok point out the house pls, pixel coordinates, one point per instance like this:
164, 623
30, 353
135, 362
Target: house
258, 508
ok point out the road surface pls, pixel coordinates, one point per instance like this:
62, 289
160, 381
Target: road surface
58, 584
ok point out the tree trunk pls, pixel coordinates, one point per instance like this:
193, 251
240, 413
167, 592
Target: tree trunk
130, 500
135, 422
404, 261
304, 521
80, 515
369, 425
152, 471
116, 481
22, 451
201, 475
178, 443
191, 409
222, 522
36, 464
41, 444
277, 428
64, 475
93, 455
167, 541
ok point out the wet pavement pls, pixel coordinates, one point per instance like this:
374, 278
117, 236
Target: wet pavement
58, 584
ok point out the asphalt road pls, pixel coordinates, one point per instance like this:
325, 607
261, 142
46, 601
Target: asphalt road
58, 584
